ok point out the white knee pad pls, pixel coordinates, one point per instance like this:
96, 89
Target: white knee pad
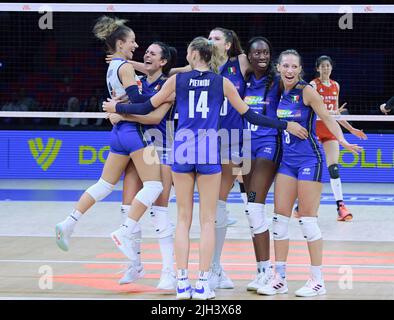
257, 217
280, 227
221, 215
100, 190
161, 222
149, 193
310, 228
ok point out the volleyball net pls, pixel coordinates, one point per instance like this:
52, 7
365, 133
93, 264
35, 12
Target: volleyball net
52, 68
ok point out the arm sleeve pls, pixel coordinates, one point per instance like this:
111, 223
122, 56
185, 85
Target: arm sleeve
135, 96
264, 121
390, 104
135, 108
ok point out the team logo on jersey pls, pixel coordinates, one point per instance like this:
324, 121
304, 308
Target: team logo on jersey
232, 70
306, 171
44, 155
295, 99
334, 93
321, 90
157, 88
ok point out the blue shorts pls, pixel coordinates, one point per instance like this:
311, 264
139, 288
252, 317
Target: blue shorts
127, 138
306, 171
269, 149
197, 168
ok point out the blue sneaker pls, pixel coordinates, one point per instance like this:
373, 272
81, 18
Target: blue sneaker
202, 291
183, 290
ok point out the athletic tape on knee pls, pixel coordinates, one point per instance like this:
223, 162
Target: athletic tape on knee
333, 171
161, 222
257, 217
221, 215
310, 228
100, 190
280, 227
149, 193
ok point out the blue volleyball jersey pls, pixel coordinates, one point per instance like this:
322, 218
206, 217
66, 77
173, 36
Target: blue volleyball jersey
229, 117
150, 89
254, 97
199, 97
291, 107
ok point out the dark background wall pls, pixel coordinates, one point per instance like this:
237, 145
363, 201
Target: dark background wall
50, 66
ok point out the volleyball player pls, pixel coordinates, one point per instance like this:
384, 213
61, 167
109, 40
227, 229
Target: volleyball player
200, 94
262, 94
234, 65
329, 91
127, 142
299, 175
158, 60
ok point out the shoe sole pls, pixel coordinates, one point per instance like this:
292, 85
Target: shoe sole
313, 295
59, 239
271, 293
251, 289
346, 218
140, 275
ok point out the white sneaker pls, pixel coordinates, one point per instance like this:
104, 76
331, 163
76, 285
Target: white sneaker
168, 280
219, 280
262, 278
274, 285
63, 236
202, 291
132, 274
311, 288
124, 243
183, 290
254, 284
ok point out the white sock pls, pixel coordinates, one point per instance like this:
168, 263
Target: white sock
124, 211
72, 219
182, 274
128, 226
137, 235
167, 252
262, 266
316, 273
220, 236
280, 267
203, 275
336, 187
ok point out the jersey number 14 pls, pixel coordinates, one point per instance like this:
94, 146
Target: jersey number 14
202, 104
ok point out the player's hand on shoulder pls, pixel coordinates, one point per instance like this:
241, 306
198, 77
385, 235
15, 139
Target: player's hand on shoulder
108, 58
297, 130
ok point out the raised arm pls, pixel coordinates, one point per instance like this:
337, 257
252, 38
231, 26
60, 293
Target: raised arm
232, 94
312, 98
174, 71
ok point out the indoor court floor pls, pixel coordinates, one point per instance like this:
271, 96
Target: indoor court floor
358, 258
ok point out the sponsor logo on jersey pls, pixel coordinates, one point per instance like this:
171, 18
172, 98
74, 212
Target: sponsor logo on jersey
252, 100
288, 113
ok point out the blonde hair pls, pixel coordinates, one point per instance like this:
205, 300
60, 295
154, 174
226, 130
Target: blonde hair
208, 52
110, 30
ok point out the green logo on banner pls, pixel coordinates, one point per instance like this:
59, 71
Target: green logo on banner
44, 156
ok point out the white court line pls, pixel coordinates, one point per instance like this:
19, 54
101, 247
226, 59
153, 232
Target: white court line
193, 263
64, 298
